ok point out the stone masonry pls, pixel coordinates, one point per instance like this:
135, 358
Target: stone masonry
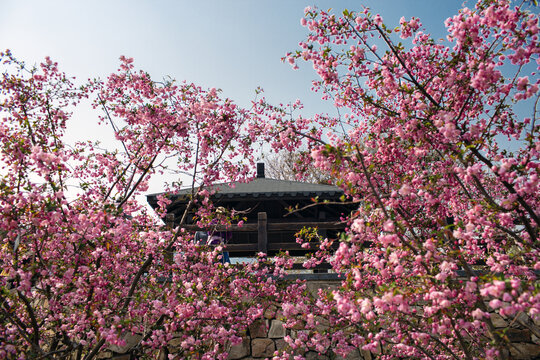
266, 335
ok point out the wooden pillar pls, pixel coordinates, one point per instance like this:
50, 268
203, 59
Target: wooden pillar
322, 218
322, 233
262, 233
169, 222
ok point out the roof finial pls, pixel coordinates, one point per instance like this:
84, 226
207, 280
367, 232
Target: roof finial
260, 170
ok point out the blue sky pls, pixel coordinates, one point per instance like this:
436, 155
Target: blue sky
232, 45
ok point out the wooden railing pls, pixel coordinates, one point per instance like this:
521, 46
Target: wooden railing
262, 228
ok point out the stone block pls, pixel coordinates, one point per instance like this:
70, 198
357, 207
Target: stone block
498, 321
353, 355
504, 354
130, 339
270, 312
521, 318
321, 324
298, 325
524, 351
518, 335
240, 350
261, 348
281, 344
312, 355
366, 355
418, 310
163, 354
122, 357
258, 329
276, 330
175, 342
104, 355
314, 286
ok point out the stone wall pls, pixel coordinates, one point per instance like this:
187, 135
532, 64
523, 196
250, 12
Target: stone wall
266, 335
523, 334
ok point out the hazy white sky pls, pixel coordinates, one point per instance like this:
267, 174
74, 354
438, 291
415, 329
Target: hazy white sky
235, 45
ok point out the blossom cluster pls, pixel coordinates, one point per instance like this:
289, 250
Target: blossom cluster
85, 269
433, 146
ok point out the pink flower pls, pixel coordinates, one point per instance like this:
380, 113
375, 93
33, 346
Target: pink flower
405, 190
495, 303
389, 226
378, 20
522, 83
479, 314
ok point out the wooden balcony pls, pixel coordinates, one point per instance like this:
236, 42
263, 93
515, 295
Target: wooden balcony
266, 239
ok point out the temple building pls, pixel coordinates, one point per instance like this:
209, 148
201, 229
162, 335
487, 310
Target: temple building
270, 225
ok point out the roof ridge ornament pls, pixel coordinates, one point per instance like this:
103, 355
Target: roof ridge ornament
260, 170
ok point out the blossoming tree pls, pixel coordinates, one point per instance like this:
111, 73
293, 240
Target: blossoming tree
84, 267
434, 147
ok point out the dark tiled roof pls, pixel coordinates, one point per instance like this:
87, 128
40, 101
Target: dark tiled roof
264, 187
273, 187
